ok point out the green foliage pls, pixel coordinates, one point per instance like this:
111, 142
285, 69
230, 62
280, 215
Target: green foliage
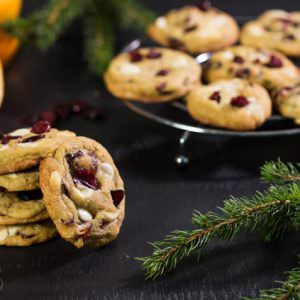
43, 27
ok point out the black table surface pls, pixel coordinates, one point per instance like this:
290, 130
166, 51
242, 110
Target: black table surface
159, 197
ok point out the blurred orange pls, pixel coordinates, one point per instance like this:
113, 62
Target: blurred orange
9, 9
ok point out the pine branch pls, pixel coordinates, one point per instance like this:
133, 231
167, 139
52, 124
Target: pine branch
99, 38
132, 14
276, 209
289, 289
279, 172
43, 27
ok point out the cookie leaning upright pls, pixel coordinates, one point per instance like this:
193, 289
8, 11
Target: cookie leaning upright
195, 29
274, 29
83, 192
152, 75
24, 148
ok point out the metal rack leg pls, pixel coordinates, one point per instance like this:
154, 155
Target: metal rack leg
181, 159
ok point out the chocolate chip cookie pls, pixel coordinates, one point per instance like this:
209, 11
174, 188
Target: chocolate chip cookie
83, 192
195, 29
275, 29
24, 148
27, 234
266, 67
22, 181
287, 101
22, 207
233, 104
152, 75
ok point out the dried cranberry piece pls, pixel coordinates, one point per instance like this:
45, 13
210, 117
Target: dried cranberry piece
63, 111
86, 177
153, 54
243, 73
162, 72
71, 156
7, 138
175, 43
48, 116
205, 5
32, 139
289, 37
287, 22
274, 62
238, 59
41, 127
161, 89
117, 196
190, 28
215, 96
135, 56
78, 107
239, 101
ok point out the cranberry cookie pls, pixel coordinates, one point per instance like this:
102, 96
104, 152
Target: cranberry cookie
287, 101
26, 235
152, 75
275, 29
24, 148
234, 104
266, 67
195, 29
83, 192
22, 207
23, 181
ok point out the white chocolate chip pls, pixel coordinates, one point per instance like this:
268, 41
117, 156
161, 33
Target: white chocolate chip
12, 230
179, 62
84, 215
55, 180
83, 192
20, 132
110, 216
161, 22
129, 69
3, 147
12, 176
3, 234
107, 170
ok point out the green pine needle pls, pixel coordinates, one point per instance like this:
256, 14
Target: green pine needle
279, 172
272, 213
99, 39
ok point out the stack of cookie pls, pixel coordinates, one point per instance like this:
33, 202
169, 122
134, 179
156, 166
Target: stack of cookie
52, 181
243, 83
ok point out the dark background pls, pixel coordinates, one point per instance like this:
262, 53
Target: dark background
159, 197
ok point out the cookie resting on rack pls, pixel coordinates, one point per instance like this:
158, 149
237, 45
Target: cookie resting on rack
275, 29
152, 75
22, 207
83, 192
287, 101
266, 67
24, 148
195, 29
232, 104
22, 181
26, 234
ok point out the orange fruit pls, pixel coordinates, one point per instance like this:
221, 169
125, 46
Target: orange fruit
9, 9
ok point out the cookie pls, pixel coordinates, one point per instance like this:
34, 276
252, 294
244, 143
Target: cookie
152, 75
22, 207
287, 101
24, 148
233, 104
83, 192
26, 235
23, 181
195, 29
266, 67
275, 29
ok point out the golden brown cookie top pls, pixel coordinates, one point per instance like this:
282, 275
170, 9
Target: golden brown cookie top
195, 29
83, 192
266, 67
152, 75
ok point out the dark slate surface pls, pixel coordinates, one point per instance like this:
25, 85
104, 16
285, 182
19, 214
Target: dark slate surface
160, 198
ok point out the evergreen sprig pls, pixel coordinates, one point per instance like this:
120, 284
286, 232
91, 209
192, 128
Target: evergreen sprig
272, 213
43, 27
